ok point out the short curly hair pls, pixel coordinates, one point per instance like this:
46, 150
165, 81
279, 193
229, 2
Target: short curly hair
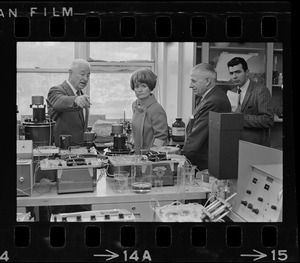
143, 76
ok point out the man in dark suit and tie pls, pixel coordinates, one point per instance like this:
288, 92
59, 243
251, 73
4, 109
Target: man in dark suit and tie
210, 98
69, 108
67, 104
255, 103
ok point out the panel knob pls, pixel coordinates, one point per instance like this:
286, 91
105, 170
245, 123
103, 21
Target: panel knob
255, 210
274, 207
243, 202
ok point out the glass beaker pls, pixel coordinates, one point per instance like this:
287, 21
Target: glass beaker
142, 180
158, 185
189, 172
121, 181
180, 184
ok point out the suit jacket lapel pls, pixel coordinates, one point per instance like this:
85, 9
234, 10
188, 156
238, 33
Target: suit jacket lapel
68, 89
202, 102
70, 92
247, 95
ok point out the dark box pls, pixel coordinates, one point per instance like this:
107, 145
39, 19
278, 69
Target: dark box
223, 144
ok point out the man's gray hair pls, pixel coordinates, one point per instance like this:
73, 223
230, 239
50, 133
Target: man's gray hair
206, 70
77, 61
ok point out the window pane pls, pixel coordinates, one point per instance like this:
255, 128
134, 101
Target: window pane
45, 54
111, 95
120, 51
35, 84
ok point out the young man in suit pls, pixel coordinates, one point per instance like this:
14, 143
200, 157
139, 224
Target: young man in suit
255, 102
67, 104
210, 98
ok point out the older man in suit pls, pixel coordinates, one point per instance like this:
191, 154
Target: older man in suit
68, 106
210, 98
254, 101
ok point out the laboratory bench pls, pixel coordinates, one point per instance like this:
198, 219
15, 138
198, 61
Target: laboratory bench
105, 197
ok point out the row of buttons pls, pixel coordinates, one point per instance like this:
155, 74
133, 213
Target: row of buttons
250, 206
92, 217
243, 202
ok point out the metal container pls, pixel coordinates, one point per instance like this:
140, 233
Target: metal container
40, 133
117, 129
119, 141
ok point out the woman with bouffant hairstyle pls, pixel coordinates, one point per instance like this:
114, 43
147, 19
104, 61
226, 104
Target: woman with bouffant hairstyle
149, 120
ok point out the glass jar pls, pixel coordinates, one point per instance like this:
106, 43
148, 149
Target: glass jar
178, 130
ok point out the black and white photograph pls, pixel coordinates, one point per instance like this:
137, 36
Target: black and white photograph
148, 131
160, 131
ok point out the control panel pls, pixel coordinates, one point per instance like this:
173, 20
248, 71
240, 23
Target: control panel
70, 162
24, 149
24, 177
45, 150
95, 216
75, 174
262, 199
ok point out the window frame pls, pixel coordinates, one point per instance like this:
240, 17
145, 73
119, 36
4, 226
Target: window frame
82, 50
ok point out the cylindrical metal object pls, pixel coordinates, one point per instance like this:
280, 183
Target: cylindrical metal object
116, 128
39, 115
89, 136
40, 134
119, 141
37, 100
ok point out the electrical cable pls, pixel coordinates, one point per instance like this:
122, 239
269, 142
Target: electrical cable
23, 191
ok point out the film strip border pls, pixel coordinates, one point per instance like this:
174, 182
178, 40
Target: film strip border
161, 242
188, 21
191, 21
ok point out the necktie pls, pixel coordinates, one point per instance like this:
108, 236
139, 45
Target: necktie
239, 97
85, 111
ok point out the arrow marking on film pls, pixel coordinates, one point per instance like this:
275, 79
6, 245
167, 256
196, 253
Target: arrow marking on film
258, 256
111, 255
